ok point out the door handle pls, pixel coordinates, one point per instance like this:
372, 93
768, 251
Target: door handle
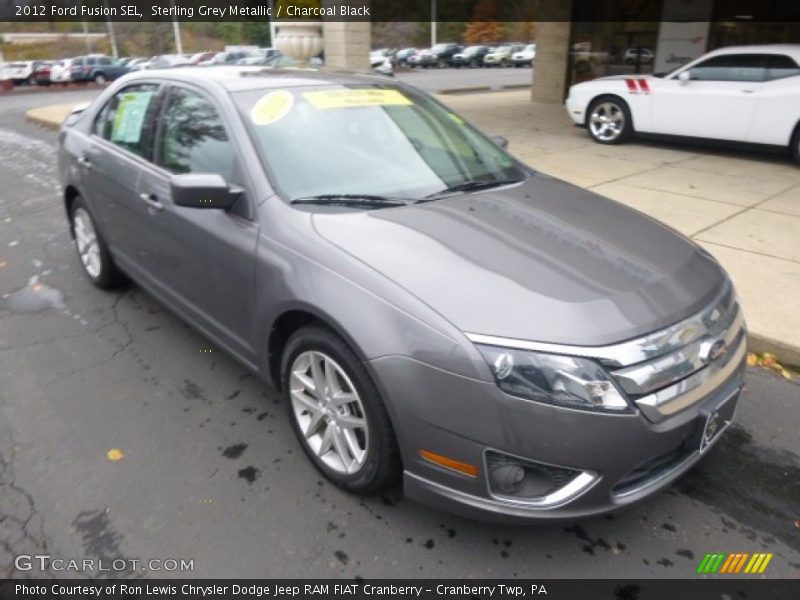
151, 200
748, 91
84, 161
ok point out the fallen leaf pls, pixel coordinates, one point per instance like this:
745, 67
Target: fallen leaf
768, 359
752, 359
115, 454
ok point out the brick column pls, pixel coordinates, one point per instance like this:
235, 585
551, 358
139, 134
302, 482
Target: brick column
347, 44
552, 52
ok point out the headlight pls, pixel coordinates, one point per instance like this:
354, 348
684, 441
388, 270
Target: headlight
562, 380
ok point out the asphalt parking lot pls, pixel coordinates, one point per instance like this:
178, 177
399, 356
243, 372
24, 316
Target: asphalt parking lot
211, 472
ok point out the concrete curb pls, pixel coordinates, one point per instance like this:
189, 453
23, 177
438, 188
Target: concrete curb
788, 355
482, 89
42, 121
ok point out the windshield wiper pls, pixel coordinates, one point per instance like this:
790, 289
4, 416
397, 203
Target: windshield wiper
367, 200
469, 186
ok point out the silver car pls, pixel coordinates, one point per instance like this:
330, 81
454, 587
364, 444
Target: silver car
432, 310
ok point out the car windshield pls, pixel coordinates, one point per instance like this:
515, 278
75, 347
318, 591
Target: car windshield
376, 140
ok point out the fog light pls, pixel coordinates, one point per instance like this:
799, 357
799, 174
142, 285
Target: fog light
512, 478
507, 478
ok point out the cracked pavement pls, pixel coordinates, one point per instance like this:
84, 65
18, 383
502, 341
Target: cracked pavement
211, 471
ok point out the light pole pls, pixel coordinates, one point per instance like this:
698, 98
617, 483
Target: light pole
176, 29
112, 37
433, 23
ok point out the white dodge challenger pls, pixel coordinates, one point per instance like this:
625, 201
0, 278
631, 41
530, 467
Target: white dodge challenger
742, 94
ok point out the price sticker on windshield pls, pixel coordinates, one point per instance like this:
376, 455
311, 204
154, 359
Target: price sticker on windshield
349, 98
272, 107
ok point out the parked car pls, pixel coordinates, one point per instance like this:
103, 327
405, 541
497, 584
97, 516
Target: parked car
471, 56
641, 56
441, 55
533, 350
501, 56
228, 57
415, 59
42, 73
381, 64
401, 57
525, 57
736, 94
21, 72
97, 68
199, 57
168, 61
258, 56
61, 71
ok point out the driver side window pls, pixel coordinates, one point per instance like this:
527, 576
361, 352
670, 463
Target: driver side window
193, 138
731, 67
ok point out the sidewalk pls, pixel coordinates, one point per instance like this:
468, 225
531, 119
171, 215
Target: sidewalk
743, 207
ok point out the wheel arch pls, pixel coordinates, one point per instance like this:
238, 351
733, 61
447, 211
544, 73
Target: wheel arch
288, 320
70, 194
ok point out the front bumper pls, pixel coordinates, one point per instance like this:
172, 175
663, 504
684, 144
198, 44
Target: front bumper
630, 456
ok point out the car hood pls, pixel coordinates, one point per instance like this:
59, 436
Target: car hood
542, 261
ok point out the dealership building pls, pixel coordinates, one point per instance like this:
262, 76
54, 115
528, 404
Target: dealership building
578, 40
584, 39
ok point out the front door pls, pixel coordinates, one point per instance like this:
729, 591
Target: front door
202, 258
718, 100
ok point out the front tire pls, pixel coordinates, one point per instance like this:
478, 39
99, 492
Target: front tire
609, 121
337, 412
92, 249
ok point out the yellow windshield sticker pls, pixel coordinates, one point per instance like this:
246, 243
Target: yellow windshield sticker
131, 111
272, 107
348, 98
456, 118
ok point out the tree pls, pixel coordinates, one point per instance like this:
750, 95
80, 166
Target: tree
484, 28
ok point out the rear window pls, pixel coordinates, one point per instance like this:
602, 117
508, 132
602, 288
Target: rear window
780, 66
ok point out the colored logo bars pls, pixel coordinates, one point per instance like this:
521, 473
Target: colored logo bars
741, 562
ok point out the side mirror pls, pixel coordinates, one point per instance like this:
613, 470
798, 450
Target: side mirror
684, 77
203, 190
500, 141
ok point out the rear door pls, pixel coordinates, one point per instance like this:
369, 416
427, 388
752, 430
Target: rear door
203, 258
778, 111
718, 101
112, 164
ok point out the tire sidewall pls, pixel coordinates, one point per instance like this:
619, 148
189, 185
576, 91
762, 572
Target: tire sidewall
108, 275
325, 341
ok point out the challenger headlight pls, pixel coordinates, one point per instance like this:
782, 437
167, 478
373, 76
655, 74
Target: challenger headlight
563, 380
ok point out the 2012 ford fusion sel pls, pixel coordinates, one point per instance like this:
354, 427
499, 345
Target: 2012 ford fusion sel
432, 309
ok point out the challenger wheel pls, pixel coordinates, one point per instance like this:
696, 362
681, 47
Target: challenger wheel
92, 249
337, 412
609, 121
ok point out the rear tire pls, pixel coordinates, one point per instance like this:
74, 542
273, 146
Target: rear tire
609, 120
92, 249
100, 79
795, 144
363, 458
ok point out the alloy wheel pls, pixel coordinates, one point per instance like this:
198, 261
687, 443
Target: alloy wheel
86, 242
329, 412
607, 121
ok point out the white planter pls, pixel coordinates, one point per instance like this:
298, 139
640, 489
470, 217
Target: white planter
300, 40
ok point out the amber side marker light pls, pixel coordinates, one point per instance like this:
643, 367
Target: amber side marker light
449, 463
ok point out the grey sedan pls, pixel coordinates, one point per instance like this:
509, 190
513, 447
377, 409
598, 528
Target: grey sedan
433, 311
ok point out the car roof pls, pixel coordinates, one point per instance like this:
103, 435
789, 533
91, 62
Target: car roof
791, 49
236, 78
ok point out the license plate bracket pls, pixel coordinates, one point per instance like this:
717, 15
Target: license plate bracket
716, 420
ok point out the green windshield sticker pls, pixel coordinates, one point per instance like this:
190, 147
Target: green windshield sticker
132, 109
